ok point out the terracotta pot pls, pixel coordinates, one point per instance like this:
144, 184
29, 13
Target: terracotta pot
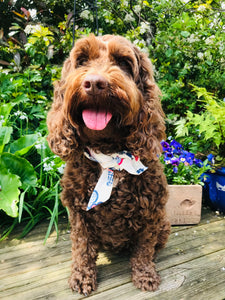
184, 204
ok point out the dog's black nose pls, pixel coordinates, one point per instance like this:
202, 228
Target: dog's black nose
94, 84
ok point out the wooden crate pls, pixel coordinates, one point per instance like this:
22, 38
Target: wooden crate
184, 204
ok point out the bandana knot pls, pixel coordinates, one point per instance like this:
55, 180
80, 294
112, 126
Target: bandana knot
123, 160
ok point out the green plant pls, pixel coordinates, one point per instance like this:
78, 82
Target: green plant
29, 172
207, 129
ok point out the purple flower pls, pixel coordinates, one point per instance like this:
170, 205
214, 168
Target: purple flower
175, 161
198, 162
190, 157
176, 145
168, 156
187, 157
165, 145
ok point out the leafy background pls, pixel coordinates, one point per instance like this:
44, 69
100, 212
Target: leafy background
186, 43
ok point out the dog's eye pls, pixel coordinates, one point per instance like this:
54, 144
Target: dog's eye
126, 65
80, 61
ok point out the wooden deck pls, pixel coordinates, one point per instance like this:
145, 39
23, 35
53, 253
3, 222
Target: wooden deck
192, 266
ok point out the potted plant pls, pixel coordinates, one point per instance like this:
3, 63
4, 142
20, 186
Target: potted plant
207, 130
184, 172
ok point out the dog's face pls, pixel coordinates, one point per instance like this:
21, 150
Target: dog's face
106, 99
102, 97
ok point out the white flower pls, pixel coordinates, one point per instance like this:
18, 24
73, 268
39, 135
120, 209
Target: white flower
200, 55
5, 71
23, 116
33, 13
18, 113
46, 158
32, 28
201, 8
209, 40
129, 18
49, 166
144, 27
61, 169
40, 146
192, 38
84, 14
137, 8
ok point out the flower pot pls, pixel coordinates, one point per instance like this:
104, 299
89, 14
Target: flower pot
214, 189
184, 204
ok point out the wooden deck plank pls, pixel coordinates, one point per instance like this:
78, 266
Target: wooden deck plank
192, 265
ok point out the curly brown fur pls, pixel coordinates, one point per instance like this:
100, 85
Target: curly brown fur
134, 216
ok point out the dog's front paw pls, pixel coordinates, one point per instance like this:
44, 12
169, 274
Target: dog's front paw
83, 283
146, 279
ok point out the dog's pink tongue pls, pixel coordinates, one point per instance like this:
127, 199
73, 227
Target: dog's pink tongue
96, 120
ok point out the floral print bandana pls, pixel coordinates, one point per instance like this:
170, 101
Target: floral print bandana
118, 161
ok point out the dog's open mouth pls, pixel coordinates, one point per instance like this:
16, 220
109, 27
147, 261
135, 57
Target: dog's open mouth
96, 119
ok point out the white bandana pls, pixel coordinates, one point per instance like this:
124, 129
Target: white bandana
117, 161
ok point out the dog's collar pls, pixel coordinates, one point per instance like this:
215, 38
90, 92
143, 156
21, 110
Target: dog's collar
117, 161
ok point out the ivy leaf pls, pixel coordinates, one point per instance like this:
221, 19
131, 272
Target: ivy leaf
9, 192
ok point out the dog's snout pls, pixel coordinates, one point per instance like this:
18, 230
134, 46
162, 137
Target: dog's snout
94, 84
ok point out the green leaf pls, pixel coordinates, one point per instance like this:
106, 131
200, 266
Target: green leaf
20, 167
23, 144
185, 33
9, 192
5, 134
5, 110
181, 129
169, 52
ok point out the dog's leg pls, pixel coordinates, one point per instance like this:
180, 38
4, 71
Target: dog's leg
84, 254
163, 235
144, 275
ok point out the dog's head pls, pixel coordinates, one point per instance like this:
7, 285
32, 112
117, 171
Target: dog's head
108, 98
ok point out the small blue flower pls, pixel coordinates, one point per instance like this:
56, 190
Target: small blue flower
175, 169
210, 158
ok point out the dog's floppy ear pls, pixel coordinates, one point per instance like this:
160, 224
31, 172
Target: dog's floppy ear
151, 126
62, 136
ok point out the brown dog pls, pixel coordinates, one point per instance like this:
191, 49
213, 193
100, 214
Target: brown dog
106, 122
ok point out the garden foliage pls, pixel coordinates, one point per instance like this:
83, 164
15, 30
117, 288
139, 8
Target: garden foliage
185, 40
